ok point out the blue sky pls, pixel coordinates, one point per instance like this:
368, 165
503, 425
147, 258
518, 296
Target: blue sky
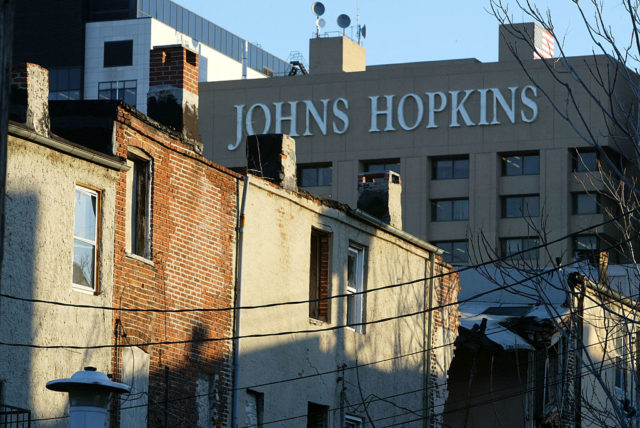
397, 31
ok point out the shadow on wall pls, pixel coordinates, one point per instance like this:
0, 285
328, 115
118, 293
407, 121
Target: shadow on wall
17, 324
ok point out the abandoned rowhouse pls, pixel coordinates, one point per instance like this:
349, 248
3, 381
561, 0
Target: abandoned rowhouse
165, 238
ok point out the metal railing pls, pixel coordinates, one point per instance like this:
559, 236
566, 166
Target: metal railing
14, 417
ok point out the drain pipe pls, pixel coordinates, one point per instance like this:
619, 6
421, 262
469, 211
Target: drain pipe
238, 303
245, 59
427, 389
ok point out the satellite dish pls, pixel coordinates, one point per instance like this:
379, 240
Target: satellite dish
363, 31
317, 8
344, 21
321, 23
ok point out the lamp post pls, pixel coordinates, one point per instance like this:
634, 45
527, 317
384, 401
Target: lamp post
89, 392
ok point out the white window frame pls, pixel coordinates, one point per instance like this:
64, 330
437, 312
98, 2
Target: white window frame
357, 287
94, 288
351, 421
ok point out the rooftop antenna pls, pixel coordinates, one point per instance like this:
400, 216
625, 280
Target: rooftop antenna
343, 22
362, 30
318, 9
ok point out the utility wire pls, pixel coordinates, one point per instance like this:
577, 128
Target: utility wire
320, 299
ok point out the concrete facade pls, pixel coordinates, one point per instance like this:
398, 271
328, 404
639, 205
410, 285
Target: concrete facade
42, 177
411, 116
392, 354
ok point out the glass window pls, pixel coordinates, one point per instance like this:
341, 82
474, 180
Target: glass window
449, 209
123, 90
512, 246
456, 251
520, 206
351, 421
355, 284
585, 160
382, 166
118, 54
584, 246
521, 164
317, 415
447, 169
314, 175
85, 238
585, 203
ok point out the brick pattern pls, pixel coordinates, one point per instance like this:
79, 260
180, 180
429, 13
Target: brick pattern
193, 223
174, 66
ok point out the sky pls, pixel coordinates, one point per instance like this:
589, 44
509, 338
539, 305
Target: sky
397, 31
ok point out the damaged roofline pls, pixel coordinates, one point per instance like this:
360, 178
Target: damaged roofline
68, 148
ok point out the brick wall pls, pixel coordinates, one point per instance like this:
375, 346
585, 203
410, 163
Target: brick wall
193, 223
174, 66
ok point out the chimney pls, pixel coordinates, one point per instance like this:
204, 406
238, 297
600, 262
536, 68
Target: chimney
173, 91
379, 194
273, 157
520, 39
336, 55
30, 97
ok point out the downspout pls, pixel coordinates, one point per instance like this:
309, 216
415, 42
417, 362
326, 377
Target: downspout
237, 304
427, 375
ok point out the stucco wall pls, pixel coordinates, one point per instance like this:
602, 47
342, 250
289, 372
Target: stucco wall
38, 251
276, 257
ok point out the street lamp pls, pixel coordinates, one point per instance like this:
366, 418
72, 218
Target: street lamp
89, 392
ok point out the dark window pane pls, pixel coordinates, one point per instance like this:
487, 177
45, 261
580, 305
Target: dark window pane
531, 206
585, 161
461, 168
83, 263
442, 210
512, 165
584, 203
324, 176
461, 209
443, 169
459, 252
512, 207
309, 177
118, 54
531, 165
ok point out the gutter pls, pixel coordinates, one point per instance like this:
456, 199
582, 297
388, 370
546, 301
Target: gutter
367, 218
68, 148
237, 304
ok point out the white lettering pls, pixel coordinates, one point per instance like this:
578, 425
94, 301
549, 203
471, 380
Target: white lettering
483, 107
419, 113
458, 107
499, 99
341, 115
239, 109
432, 108
291, 118
529, 103
249, 119
321, 122
375, 113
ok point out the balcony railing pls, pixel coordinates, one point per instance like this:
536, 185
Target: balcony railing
14, 417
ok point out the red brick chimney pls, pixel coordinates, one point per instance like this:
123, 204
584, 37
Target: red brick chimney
173, 91
30, 97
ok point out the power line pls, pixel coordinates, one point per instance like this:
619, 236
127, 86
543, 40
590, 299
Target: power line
336, 296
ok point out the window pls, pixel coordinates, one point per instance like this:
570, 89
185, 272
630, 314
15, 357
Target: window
585, 160
521, 164
619, 355
317, 415
450, 209
314, 175
121, 90
65, 83
584, 246
355, 284
86, 234
255, 409
382, 166
351, 421
520, 206
319, 275
511, 246
118, 54
139, 204
585, 203
447, 169
456, 251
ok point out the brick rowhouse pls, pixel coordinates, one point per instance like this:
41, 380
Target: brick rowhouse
188, 264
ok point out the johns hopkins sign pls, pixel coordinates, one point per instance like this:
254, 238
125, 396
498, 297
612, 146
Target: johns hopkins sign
407, 112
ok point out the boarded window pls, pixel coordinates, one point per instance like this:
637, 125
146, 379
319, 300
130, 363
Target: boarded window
319, 275
135, 372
